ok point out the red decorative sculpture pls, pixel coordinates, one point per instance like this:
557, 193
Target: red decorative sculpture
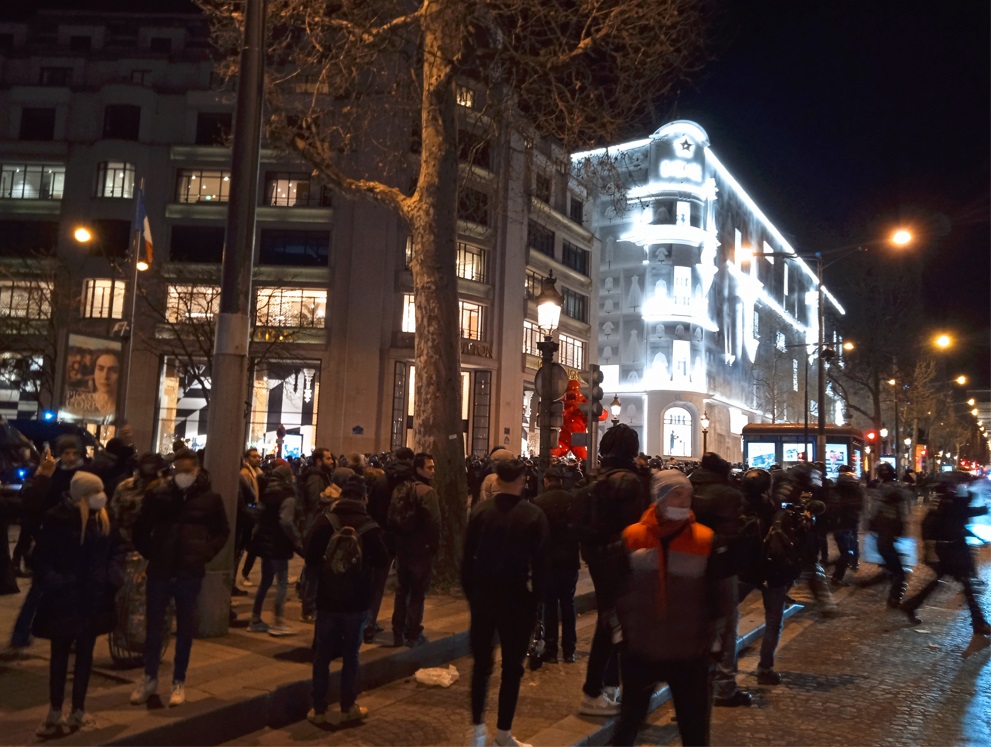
574, 421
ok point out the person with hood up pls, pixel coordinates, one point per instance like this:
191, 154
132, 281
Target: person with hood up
668, 611
276, 539
78, 567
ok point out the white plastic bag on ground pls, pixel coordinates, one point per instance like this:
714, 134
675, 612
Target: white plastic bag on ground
437, 676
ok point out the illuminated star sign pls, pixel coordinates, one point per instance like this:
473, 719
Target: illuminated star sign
685, 148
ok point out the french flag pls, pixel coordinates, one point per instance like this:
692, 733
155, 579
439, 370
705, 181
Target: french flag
143, 228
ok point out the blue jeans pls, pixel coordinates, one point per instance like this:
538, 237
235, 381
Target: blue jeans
279, 571
724, 678
185, 592
336, 634
774, 598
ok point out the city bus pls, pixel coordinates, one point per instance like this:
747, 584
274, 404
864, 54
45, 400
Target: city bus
788, 444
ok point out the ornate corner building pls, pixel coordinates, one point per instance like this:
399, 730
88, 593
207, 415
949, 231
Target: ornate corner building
692, 320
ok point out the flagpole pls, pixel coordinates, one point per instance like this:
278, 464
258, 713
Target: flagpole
136, 237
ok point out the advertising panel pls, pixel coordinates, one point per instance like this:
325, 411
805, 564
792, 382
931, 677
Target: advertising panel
760, 455
92, 378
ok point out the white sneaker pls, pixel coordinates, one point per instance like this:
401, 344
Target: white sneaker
147, 688
178, 696
478, 735
52, 724
280, 629
505, 739
600, 706
79, 719
245, 581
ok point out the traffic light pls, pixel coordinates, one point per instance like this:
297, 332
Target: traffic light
595, 391
871, 436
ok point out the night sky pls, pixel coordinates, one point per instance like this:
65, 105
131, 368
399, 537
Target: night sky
843, 119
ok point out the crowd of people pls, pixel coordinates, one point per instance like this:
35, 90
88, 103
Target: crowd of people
671, 548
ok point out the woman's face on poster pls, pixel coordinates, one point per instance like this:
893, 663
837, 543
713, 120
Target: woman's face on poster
106, 372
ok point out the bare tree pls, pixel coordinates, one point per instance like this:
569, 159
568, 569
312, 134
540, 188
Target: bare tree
367, 92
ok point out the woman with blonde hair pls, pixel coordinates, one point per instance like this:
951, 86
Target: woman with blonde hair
79, 564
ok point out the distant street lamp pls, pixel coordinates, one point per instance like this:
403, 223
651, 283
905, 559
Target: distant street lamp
549, 303
704, 422
615, 408
943, 341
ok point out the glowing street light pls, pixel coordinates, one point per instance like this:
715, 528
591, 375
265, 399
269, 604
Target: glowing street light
943, 341
901, 237
82, 234
961, 380
848, 346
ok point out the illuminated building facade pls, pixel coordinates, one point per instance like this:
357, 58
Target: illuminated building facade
691, 319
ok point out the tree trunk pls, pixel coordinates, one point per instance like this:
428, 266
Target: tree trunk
437, 426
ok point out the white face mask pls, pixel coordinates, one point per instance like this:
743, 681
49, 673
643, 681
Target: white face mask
96, 501
674, 513
184, 479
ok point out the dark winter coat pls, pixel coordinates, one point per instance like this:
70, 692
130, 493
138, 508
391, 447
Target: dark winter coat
422, 543
79, 582
504, 551
562, 548
953, 553
180, 531
276, 536
891, 510
848, 501
355, 596
719, 506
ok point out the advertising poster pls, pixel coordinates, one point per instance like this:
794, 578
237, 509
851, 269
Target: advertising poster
760, 455
836, 454
92, 376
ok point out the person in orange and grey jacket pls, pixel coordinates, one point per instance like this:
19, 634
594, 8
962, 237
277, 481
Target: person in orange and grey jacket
668, 610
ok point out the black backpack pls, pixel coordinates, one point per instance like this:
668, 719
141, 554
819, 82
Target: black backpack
343, 558
404, 508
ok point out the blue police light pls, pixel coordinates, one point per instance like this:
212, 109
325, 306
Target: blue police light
22, 474
48, 415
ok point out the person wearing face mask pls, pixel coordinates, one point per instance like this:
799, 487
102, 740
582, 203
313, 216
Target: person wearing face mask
43, 492
668, 611
181, 526
78, 567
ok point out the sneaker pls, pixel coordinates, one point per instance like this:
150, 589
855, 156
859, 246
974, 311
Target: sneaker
613, 694
318, 719
599, 706
236, 592
570, 658
505, 739
737, 699
178, 696
258, 626
79, 719
245, 581
415, 642
51, 725
478, 736
354, 713
147, 688
279, 629
768, 677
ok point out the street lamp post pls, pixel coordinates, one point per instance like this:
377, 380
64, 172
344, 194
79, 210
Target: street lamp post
894, 438
704, 422
615, 408
549, 303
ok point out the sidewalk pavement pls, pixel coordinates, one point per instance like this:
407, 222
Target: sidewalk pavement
236, 683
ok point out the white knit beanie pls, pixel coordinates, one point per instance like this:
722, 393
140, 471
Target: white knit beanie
84, 484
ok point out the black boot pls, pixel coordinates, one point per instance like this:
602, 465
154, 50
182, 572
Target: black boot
897, 594
977, 618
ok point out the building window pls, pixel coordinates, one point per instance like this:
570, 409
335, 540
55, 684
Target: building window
574, 257
531, 336
681, 293
55, 76
540, 238
575, 305
471, 262
576, 211
465, 97
203, 185
684, 213
471, 318
115, 179
473, 205
677, 439
297, 248
533, 284
779, 340
408, 253
794, 375
140, 77
681, 354
291, 307
294, 190
409, 314
121, 122
474, 149
542, 188
213, 128
197, 244
160, 44
756, 325
572, 352
32, 181
80, 43
103, 298
24, 237
26, 299
37, 123
192, 303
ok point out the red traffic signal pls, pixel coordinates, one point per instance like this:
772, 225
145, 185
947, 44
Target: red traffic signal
871, 435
